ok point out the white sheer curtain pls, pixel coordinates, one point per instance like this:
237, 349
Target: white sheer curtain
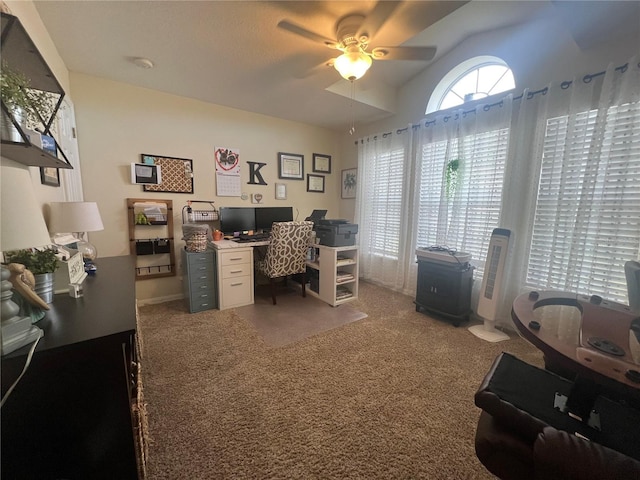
572, 186
459, 169
560, 168
381, 208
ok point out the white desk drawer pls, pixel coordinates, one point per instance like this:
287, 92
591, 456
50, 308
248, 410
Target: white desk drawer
240, 270
235, 257
236, 291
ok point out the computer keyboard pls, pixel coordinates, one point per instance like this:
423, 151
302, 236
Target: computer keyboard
258, 237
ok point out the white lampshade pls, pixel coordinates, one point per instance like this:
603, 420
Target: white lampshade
22, 223
353, 64
71, 217
77, 218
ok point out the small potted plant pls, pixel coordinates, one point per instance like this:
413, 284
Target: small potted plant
42, 263
28, 106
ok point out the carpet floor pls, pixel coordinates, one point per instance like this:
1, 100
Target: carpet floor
386, 397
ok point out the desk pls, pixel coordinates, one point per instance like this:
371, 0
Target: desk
70, 415
234, 272
234, 266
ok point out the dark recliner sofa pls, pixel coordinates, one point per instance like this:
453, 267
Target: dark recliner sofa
514, 444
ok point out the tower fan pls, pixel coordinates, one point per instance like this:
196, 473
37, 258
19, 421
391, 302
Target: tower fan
491, 290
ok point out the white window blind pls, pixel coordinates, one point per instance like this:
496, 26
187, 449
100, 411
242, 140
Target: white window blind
463, 217
384, 200
587, 218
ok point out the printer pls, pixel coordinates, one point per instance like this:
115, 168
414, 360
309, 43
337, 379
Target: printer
335, 233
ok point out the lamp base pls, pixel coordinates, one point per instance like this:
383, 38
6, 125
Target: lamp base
488, 333
88, 250
18, 332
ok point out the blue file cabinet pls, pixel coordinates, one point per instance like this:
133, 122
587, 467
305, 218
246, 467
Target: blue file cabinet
199, 281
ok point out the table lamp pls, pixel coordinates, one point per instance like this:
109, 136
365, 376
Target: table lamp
77, 218
23, 226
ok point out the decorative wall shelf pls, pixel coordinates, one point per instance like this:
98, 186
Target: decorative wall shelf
20, 55
151, 237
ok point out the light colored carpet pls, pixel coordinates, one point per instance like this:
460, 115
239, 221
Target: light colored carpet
386, 397
294, 318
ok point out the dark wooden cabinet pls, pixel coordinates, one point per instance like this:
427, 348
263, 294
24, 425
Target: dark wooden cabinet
70, 416
444, 289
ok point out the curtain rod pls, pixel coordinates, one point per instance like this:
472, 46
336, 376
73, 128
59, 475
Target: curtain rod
564, 85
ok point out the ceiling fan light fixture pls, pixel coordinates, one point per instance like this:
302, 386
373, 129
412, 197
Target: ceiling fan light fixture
352, 64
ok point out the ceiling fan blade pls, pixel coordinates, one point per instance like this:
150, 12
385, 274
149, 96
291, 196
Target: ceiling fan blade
376, 18
316, 69
404, 53
308, 34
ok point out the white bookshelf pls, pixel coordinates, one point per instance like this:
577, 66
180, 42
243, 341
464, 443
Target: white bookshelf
337, 272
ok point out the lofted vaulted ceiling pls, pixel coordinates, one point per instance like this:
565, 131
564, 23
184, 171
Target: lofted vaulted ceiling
232, 53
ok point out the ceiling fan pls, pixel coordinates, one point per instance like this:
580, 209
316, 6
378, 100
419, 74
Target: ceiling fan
354, 34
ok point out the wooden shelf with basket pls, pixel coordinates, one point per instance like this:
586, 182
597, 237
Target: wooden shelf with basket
151, 237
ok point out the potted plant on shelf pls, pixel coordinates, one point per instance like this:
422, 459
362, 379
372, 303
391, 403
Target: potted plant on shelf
28, 106
42, 263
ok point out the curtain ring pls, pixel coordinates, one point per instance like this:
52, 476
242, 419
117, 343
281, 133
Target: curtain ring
566, 84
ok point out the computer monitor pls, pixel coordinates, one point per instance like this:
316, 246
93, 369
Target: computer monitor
265, 216
237, 219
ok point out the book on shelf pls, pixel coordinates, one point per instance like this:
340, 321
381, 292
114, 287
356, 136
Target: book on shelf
344, 260
342, 277
342, 293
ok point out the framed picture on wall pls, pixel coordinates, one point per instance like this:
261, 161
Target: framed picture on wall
315, 183
349, 182
281, 191
290, 166
321, 163
50, 176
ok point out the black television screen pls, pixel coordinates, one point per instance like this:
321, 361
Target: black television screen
265, 216
237, 219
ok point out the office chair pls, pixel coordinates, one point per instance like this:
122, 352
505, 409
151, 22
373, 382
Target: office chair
286, 253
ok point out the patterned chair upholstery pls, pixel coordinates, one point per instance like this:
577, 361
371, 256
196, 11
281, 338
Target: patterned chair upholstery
287, 253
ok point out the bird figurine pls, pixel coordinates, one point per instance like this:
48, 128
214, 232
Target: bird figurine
24, 283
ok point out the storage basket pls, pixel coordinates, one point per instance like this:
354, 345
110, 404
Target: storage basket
197, 242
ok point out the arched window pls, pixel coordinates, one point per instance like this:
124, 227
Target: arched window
475, 78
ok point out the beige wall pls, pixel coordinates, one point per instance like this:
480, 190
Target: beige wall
118, 122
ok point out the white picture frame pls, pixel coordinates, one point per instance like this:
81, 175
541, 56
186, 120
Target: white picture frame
281, 191
349, 182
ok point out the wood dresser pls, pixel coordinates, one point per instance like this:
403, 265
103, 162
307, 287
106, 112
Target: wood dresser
72, 414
